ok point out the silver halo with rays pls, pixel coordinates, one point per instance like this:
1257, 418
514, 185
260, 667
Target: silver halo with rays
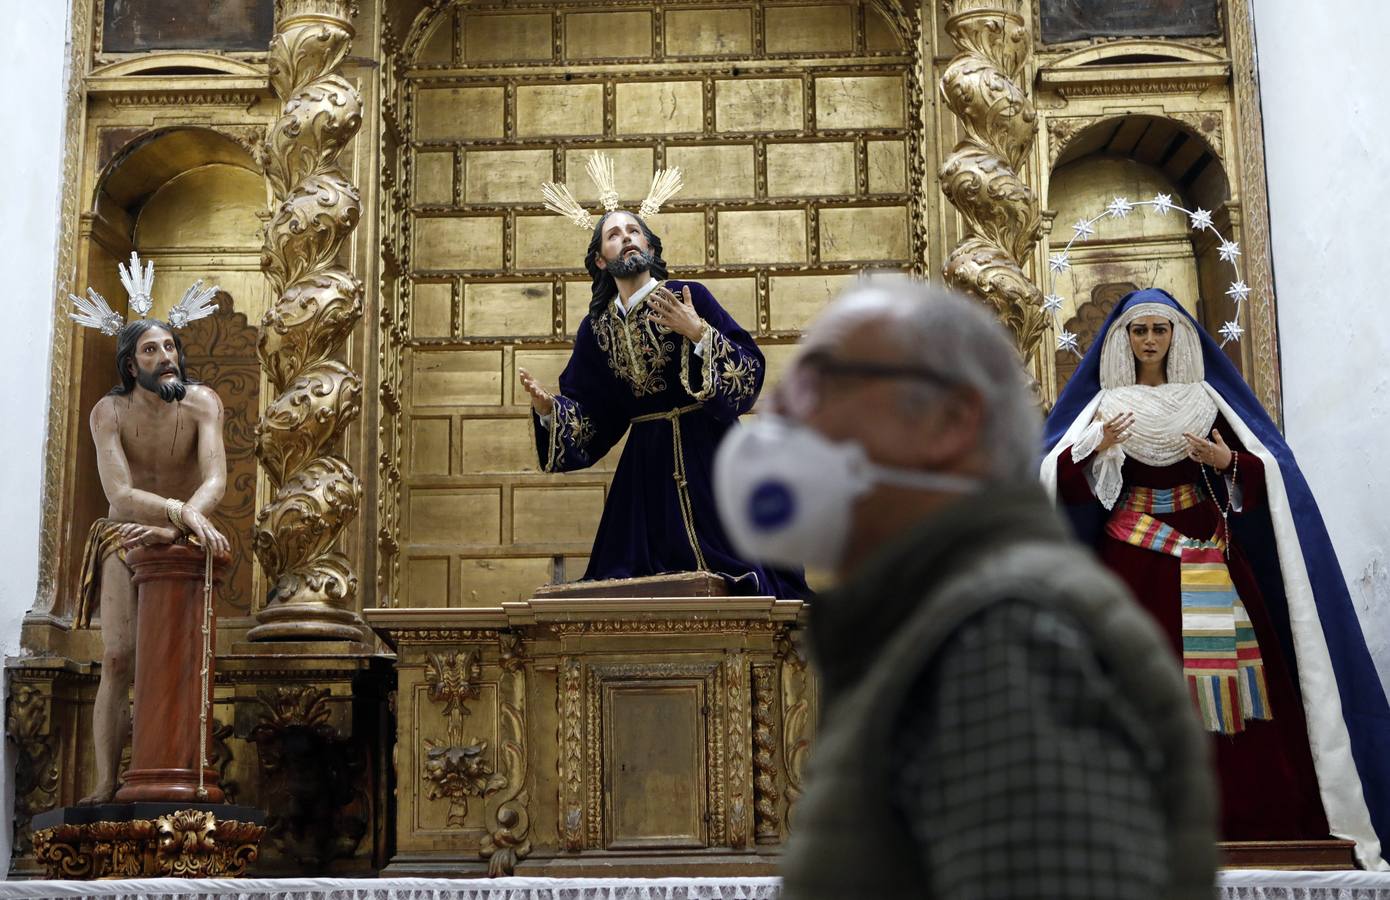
1119, 208
93, 311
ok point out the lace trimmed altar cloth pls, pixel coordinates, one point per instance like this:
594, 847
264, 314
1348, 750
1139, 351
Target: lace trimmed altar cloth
1238, 884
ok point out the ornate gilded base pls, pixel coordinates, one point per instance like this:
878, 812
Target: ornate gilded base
148, 840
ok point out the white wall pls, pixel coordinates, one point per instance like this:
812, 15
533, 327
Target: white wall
32, 60
1324, 71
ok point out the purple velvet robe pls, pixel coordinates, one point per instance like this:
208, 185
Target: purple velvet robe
629, 372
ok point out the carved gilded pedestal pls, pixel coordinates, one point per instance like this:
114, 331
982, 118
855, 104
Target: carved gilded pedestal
560, 735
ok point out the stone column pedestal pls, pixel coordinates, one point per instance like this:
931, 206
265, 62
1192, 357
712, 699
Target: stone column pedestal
168, 681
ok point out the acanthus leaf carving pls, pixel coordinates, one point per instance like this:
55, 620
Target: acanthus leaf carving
314, 409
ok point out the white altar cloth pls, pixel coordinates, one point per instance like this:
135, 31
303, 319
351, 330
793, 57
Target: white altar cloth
1235, 884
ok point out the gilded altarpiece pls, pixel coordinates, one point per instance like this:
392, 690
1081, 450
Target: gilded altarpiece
791, 124
474, 727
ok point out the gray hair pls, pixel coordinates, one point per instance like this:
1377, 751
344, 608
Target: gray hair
941, 330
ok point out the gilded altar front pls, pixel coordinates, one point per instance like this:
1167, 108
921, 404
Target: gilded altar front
362, 180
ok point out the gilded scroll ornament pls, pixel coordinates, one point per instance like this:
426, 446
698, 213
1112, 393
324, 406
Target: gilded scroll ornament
985, 86
36, 769
571, 703
767, 829
314, 209
508, 839
456, 767
184, 844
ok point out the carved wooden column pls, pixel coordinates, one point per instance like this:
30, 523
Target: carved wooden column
319, 302
985, 85
166, 744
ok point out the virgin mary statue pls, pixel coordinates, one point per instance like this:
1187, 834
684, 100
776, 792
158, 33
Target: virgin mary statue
1169, 466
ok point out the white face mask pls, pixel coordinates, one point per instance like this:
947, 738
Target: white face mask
785, 494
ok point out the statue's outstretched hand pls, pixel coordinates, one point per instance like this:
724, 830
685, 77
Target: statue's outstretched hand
542, 401
1116, 431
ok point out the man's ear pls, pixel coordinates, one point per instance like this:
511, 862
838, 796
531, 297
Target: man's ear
954, 430
600, 261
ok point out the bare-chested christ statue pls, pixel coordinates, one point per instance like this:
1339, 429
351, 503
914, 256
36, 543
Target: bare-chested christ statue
160, 455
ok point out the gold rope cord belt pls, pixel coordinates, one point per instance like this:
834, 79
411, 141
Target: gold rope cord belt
682, 491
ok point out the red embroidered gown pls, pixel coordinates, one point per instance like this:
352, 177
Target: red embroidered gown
1268, 787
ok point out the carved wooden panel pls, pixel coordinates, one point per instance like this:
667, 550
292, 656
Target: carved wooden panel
790, 122
654, 755
222, 353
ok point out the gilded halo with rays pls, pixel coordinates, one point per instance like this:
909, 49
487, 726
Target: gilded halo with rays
560, 200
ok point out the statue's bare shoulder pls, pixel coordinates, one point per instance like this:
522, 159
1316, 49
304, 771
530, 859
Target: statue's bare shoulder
203, 402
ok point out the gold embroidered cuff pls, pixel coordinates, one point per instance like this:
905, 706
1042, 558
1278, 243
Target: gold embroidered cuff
707, 379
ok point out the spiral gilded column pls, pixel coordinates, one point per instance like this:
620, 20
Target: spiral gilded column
985, 86
314, 207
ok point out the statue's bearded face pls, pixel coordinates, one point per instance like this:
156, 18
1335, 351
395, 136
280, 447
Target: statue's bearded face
156, 365
624, 250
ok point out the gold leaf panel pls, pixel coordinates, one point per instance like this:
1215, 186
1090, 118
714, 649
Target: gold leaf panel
870, 101
434, 179
497, 310
887, 167
739, 297
455, 515
497, 445
549, 242
453, 113
758, 104
871, 234
495, 580
608, 35
683, 238
577, 297
461, 242
504, 37
810, 29
430, 449
505, 176
796, 299
714, 171
559, 109
804, 169
660, 107
762, 236
559, 513
432, 310
428, 579
546, 365
709, 32
456, 377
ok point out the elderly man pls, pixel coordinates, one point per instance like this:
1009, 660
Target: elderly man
999, 718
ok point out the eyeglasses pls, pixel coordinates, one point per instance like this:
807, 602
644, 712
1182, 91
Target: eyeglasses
800, 391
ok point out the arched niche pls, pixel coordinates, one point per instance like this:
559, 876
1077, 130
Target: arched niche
1138, 157
188, 200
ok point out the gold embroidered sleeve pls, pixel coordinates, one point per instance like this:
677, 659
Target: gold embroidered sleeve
706, 357
725, 371
570, 434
